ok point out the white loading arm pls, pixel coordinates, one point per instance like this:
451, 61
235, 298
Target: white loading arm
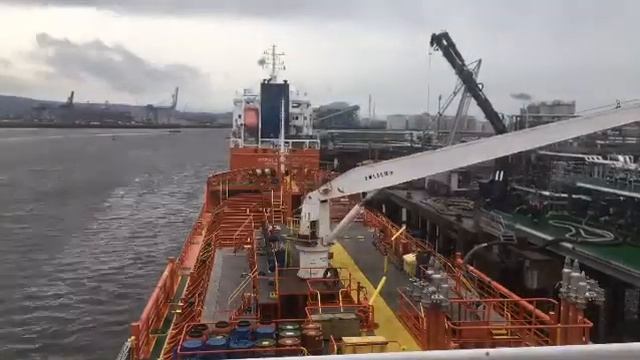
367, 178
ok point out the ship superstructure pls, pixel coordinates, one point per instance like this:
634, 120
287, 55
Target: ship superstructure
277, 113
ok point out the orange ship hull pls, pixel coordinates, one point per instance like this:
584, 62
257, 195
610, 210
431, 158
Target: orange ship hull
239, 201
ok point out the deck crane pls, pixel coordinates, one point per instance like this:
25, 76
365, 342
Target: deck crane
315, 222
445, 44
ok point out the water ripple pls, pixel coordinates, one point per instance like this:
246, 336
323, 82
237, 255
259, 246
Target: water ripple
88, 232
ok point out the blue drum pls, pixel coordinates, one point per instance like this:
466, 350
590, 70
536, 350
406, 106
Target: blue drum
240, 345
241, 333
191, 345
216, 343
265, 332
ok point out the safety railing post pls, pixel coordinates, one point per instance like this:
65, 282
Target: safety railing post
134, 329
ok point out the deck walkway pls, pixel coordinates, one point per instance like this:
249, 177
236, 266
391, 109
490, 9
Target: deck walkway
226, 275
366, 264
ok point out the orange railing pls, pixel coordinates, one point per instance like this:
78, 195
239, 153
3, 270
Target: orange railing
474, 323
344, 277
155, 310
247, 178
194, 294
351, 297
403, 243
467, 279
239, 240
199, 265
197, 227
413, 318
524, 323
158, 305
517, 323
364, 312
487, 288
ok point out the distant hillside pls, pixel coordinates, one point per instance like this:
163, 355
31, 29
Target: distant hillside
16, 107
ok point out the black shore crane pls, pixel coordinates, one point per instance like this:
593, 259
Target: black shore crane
445, 44
496, 187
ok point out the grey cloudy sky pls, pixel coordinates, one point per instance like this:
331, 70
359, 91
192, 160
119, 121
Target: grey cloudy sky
137, 50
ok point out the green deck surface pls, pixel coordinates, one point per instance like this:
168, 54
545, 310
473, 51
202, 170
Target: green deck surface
618, 255
161, 337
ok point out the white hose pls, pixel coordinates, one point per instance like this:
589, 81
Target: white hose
602, 236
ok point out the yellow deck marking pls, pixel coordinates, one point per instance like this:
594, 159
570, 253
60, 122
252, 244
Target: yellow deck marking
390, 326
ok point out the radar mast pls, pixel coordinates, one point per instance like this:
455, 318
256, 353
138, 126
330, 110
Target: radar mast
273, 60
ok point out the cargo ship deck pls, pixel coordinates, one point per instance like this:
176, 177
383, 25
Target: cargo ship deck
262, 274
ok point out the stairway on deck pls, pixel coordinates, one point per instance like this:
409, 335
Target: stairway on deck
231, 263
235, 228
276, 212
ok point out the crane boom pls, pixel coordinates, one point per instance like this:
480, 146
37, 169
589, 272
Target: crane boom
399, 170
367, 178
445, 44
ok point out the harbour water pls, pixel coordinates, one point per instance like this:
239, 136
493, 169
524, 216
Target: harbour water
87, 220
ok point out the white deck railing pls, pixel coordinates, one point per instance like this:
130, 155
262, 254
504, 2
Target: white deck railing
125, 351
626, 351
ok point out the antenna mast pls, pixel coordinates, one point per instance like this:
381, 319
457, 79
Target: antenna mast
273, 60
282, 129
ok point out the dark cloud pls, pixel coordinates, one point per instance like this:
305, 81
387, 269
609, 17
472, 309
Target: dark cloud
119, 68
260, 8
573, 49
281, 10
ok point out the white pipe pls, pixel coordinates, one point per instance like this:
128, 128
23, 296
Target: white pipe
624, 351
550, 193
345, 222
348, 219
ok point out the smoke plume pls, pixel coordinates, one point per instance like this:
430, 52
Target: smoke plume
522, 96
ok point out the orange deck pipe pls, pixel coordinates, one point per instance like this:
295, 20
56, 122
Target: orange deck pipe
436, 329
574, 332
564, 320
526, 305
568, 334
